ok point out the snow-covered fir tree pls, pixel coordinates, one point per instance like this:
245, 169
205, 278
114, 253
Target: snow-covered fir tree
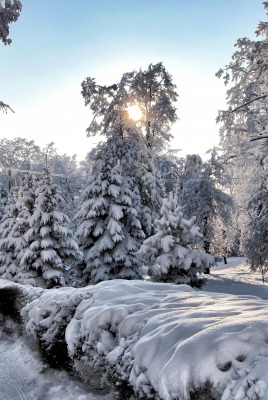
8, 263
16, 238
3, 199
151, 186
109, 230
51, 246
140, 171
170, 252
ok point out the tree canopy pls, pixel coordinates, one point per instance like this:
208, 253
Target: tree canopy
152, 90
9, 12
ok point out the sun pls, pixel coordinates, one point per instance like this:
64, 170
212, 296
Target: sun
134, 112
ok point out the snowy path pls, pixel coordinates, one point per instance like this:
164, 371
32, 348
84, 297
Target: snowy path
236, 278
13, 380
24, 377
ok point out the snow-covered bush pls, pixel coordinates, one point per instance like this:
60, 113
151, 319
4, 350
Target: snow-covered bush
163, 340
152, 336
46, 320
170, 253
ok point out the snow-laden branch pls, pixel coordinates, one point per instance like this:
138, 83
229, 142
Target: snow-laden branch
258, 138
249, 102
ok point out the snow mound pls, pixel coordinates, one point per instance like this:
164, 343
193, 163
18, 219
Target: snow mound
164, 340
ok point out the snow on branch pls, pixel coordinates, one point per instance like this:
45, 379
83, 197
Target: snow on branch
258, 138
249, 102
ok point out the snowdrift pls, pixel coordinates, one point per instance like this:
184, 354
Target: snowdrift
165, 341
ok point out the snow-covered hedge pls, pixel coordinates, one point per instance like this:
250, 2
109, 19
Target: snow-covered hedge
47, 318
165, 341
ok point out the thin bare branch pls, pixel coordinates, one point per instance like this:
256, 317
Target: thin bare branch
4, 107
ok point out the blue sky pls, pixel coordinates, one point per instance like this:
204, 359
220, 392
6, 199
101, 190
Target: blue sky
57, 44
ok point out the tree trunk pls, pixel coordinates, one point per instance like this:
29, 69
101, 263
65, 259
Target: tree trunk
262, 274
206, 243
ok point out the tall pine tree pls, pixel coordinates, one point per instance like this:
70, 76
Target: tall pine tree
109, 230
16, 238
155, 94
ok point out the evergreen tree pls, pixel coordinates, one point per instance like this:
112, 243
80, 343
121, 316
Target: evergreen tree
109, 230
51, 246
170, 253
16, 238
151, 186
140, 171
125, 161
3, 199
8, 263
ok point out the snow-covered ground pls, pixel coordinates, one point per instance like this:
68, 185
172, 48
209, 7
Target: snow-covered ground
165, 340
